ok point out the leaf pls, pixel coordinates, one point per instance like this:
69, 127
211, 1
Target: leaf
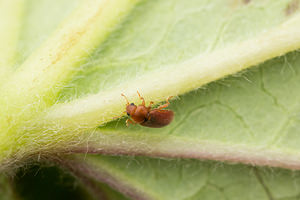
252, 119
148, 178
108, 71
232, 123
31, 89
62, 80
26, 26
39, 20
158, 77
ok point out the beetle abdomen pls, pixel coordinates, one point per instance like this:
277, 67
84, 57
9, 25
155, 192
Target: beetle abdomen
158, 118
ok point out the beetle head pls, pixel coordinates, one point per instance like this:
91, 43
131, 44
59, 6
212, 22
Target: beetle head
130, 108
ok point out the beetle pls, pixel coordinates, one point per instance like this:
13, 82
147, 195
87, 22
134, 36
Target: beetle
146, 116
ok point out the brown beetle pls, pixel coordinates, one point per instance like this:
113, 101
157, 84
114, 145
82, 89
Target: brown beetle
146, 116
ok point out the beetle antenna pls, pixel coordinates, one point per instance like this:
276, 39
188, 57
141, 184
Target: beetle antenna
117, 117
127, 102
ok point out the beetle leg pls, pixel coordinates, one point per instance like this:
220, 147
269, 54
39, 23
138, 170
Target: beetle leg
166, 104
150, 105
127, 102
129, 121
142, 98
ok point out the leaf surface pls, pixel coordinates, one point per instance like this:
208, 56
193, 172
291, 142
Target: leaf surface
252, 118
65, 63
64, 73
148, 178
232, 124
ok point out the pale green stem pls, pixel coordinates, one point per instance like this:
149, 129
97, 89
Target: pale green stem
95, 110
153, 145
11, 13
35, 85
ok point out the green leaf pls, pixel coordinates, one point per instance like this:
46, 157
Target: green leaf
148, 178
169, 70
63, 75
93, 95
110, 193
26, 24
40, 18
252, 119
35, 84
